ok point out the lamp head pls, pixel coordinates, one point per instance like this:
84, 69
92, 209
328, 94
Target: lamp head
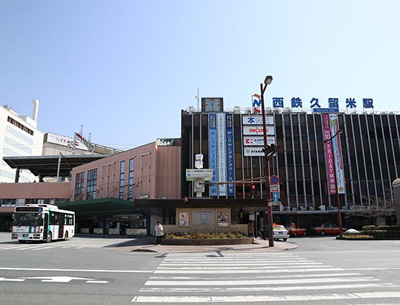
268, 80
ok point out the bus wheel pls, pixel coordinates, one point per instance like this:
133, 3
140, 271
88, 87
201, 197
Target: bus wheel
49, 238
66, 235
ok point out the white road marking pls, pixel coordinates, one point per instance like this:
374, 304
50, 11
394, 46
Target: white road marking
237, 263
218, 267
236, 271
57, 279
291, 276
96, 282
260, 289
75, 270
265, 298
3, 279
194, 279
258, 282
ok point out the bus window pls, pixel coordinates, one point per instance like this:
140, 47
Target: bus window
28, 219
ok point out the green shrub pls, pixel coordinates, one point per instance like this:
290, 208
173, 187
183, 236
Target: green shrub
383, 227
383, 234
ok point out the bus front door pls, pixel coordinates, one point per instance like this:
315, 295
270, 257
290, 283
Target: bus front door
46, 226
61, 221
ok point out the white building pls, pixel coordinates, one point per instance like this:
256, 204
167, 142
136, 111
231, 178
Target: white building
18, 137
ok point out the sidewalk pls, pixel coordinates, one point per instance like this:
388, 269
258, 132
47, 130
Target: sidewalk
146, 244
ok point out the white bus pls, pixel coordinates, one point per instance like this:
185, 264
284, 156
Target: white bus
42, 222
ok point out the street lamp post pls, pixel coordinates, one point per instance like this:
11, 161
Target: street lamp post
339, 214
267, 157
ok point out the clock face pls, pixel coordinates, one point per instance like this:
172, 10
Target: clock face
212, 104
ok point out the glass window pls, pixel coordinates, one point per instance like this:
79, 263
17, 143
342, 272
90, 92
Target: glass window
79, 182
131, 176
91, 188
122, 180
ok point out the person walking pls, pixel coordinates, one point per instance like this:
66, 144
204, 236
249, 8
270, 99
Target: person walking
158, 232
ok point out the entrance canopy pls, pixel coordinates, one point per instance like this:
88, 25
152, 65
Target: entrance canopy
47, 166
104, 205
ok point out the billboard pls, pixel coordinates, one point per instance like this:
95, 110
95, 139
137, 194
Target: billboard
329, 153
337, 150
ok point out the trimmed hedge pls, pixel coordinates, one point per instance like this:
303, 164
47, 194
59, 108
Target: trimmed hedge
382, 232
383, 227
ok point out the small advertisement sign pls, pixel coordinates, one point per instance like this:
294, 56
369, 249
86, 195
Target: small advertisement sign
257, 120
257, 141
203, 217
253, 151
183, 219
258, 130
223, 218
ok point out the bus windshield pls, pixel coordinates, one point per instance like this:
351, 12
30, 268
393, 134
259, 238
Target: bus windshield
28, 219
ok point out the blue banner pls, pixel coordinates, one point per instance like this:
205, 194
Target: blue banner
212, 143
230, 157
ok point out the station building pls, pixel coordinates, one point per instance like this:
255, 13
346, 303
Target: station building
128, 192
122, 193
231, 143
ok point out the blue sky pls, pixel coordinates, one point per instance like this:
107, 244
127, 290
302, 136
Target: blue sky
125, 69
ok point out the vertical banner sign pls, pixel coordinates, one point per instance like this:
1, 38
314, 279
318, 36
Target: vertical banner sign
212, 143
221, 152
230, 169
337, 150
329, 153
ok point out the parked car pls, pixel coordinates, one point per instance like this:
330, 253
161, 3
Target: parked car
327, 228
295, 230
279, 232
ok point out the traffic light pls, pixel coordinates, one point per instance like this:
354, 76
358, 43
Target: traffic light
269, 149
253, 189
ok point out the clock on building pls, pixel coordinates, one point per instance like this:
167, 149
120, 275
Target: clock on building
212, 104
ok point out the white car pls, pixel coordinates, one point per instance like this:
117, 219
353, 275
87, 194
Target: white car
280, 232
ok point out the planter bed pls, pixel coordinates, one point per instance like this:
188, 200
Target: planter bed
208, 241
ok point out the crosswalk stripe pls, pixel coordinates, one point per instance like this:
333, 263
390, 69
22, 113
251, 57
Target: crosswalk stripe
198, 277
291, 276
264, 298
218, 267
237, 271
257, 282
239, 263
258, 289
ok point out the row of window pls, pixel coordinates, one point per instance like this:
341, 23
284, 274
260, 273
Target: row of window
18, 145
12, 131
91, 186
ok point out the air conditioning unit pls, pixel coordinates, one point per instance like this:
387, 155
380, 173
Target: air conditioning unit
322, 207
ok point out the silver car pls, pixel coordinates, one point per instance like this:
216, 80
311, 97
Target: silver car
280, 232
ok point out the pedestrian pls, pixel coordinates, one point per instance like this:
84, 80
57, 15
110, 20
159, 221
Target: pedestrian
158, 232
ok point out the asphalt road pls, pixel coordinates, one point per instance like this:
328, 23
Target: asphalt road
86, 270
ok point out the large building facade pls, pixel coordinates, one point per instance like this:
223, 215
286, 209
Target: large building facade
18, 137
370, 150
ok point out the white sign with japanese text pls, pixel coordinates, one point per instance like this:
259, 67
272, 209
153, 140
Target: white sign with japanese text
258, 130
257, 141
